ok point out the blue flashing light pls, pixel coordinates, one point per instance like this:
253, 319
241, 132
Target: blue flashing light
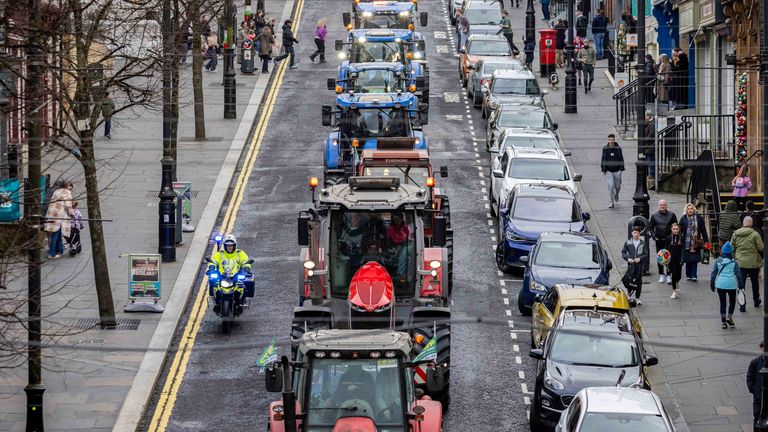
218, 238
240, 277
213, 276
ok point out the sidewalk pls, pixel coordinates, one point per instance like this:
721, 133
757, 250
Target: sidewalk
701, 389
90, 374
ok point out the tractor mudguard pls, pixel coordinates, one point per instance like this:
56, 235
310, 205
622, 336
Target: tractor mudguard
421, 316
331, 152
309, 318
313, 313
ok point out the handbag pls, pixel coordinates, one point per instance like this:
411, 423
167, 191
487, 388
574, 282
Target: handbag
741, 297
275, 51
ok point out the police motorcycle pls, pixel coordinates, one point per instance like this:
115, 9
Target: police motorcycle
229, 291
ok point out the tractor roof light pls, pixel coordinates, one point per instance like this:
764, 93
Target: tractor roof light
355, 143
409, 56
313, 182
404, 13
367, 14
361, 39
417, 56
412, 88
339, 89
375, 354
398, 40
419, 339
435, 264
430, 182
319, 354
335, 354
342, 55
390, 354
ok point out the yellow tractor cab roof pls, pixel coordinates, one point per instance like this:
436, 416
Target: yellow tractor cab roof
589, 296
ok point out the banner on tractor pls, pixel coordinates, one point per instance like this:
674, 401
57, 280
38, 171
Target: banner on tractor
429, 352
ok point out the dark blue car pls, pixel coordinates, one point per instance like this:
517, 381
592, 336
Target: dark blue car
557, 258
533, 209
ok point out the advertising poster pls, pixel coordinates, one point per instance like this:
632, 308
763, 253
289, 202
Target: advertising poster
145, 276
184, 194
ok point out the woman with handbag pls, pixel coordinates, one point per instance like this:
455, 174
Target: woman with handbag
694, 238
725, 280
634, 252
266, 42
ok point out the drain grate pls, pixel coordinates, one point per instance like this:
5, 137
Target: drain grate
154, 194
94, 324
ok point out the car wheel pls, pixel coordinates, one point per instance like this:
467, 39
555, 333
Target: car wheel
469, 93
501, 261
482, 111
524, 311
536, 425
490, 200
476, 101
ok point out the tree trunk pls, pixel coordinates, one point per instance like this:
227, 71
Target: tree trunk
98, 246
197, 70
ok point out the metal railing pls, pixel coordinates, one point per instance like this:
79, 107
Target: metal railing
672, 149
626, 100
556, 7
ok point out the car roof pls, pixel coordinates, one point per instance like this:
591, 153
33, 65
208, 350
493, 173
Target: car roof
534, 153
582, 296
481, 4
622, 400
569, 237
513, 74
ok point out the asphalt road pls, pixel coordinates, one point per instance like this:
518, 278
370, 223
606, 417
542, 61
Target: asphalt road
491, 373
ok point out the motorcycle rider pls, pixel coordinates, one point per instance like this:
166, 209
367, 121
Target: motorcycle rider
230, 260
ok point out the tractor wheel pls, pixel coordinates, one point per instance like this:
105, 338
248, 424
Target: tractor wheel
297, 331
443, 356
425, 97
501, 261
446, 208
332, 180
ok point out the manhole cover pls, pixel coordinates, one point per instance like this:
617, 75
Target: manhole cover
94, 324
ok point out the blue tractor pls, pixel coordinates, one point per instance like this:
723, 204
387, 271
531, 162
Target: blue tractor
384, 14
370, 121
389, 46
376, 77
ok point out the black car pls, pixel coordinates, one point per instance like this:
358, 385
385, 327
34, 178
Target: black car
585, 348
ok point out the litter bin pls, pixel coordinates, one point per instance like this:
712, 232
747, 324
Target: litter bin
248, 48
642, 223
547, 52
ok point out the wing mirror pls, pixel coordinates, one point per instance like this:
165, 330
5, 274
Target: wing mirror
524, 259
498, 173
421, 45
327, 115
339, 45
586, 216
609, 265
545, 92
536, 354
538, 298
423, 114
423, 19
566, 153
436, 380
331, 83
443, 171
346, 17
304, 229
577, 177
651, 361
274, 378
554, 126
421, 82
462, 51
440, 231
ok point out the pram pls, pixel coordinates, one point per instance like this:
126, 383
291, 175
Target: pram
73, 242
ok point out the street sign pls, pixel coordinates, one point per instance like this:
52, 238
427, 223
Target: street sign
184, 197
10, 197
144, 277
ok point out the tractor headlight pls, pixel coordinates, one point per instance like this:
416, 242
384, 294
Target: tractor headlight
433, 273
361, 39
535, 286
213, 276
512, 236
435, 264
309, 265
342, 55
417, 56
367, 14
398, 40
552, 383
404, 13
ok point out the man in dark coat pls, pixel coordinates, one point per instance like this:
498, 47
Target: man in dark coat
679, 94
754, 384
599, 29
560, 28
730, 221
582, 22
288, 41
611, 165
660, 227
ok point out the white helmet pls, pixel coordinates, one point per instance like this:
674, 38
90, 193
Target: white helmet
230, 239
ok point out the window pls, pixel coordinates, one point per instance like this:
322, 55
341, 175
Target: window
489, 68
619, 422
481, 47
524, 118
345, 387
573, 415
608, 349
522, 86
407, 174
568, 255
376, 123
558, 209
380, 21
538, 169
377, 81
483, 16
384, 237
531, 141
372, 51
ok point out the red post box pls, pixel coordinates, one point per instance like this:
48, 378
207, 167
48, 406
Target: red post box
547, 52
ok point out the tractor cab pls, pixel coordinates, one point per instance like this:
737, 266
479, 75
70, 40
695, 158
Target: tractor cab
352, 380
377, 77
384, 14
362, 121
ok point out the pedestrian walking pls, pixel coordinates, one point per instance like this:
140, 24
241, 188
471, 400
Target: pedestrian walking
741, 184
664, 81
57, 219
506, 30
530, 49
463, 26
674, 245
612, 164
694, 238
730, 221
321, 32
586, 58
545, 9
288, 41
635, 252
578, 44
599, 29
266, 43
748, 251
660, 227
107, 109
725, 279
259, 22
757, 218
560, 29
582, 23
212, 44
754, 382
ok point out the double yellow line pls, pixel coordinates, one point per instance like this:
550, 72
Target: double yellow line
175, 377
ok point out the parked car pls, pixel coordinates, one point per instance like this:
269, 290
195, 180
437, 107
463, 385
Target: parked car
524, 219
524, 139
511, 86
528, 165
615, 409
482, 47
563, 257
481, 74
484, 16
516, 116
585, 348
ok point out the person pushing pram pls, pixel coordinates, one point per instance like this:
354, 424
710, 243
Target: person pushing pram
73, 241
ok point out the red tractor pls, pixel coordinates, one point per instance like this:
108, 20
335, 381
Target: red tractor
366, 265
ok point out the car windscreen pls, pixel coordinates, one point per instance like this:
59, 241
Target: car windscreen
523, 118
389, 21
361, 387
491, 67
568, 255
529, 142
538, 169
621, 422
372, 51
376, 123
490, 16
482, 47
414, 175
522, 86
377, 81
532, 208
599, 349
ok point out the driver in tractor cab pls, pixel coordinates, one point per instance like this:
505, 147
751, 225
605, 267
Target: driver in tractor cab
398, 234
230, 260
373, 234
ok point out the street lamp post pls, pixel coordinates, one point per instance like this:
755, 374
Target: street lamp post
167, 208
570, 68
641, 197
762, 421
530, 22
230, 94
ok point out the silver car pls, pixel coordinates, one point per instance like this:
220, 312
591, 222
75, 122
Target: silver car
517, 116
484, 16
615, 409
511, 86
481, 74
